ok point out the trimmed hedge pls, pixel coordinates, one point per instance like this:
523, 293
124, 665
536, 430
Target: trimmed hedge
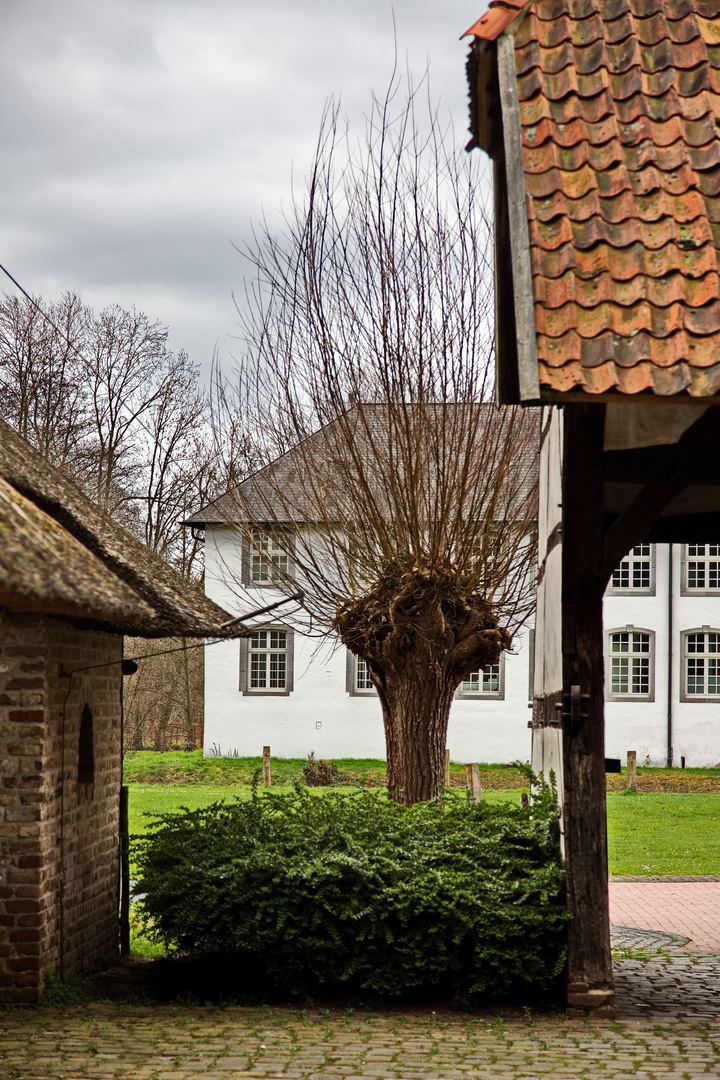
338, 892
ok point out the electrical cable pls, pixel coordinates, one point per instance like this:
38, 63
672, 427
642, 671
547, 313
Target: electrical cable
245, 632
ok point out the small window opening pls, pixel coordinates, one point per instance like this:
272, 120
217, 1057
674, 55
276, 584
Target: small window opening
86, 748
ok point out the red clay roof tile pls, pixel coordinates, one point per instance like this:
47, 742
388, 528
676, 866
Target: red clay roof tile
619, 110
603, 288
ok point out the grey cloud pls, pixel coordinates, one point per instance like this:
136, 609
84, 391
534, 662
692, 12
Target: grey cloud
139, 138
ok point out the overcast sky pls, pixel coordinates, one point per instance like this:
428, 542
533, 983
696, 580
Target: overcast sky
140, 138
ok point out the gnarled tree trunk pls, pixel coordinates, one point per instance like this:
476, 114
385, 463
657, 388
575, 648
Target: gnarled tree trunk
420, 633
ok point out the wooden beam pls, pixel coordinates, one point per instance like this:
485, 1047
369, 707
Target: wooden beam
679, 463
528, 378
685, 529
635, 522
584, 814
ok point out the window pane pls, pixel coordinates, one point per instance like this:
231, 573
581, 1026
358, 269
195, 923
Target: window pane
634, 572
491, 679
486, 682
641, 643
619, 643
362, 675
280, 567
640, 575
277, 671
621, 576
259, 639
713, 676
696, 575
702, 676
259, 568
640, 675
695, 676
278, 639
258, 670
619, 675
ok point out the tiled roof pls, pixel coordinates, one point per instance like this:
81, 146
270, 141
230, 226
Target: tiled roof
619, 105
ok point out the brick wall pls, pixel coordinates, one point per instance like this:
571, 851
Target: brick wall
58, 839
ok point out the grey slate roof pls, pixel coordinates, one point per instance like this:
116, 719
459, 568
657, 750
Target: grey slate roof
277, 493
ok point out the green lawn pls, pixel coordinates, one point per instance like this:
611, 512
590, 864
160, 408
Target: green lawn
664, 834
177, 767
648, 834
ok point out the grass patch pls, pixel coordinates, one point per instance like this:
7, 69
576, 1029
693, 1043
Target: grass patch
664, 834
681, 781
177, 767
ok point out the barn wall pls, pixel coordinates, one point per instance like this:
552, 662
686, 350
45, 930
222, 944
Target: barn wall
55, 838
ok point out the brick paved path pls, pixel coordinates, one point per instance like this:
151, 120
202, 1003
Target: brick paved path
167, 1043
670, 964
688, 908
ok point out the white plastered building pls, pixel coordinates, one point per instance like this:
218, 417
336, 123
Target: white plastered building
292, 690
662, 655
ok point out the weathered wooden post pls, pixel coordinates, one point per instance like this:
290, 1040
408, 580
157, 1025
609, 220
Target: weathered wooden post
473, 781
631, 782
447, 767
266, 766
590, 980
124, 874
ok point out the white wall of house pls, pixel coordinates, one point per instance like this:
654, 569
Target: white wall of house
319, 713
641, 723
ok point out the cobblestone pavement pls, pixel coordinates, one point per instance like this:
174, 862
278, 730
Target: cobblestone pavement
104, 1042
688, 908
668, 1028
655, 976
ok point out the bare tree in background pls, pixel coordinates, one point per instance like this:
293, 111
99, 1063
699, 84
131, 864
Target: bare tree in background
41, 376
408, 503
104, 399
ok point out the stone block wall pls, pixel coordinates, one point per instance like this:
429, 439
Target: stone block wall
58, 837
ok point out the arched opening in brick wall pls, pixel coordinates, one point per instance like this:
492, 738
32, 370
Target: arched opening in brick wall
86, 748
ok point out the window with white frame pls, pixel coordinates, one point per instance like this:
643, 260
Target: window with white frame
631, 664
358, 681
636, 572
266, 661
701, 664
489, 683
701, 566
267, 558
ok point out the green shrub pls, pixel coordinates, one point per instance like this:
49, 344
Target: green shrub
347, 891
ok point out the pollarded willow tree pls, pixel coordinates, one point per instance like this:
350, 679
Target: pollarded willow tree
404, 499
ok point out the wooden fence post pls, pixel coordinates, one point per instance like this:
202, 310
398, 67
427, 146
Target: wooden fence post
447, 767
631, 783
266, 766
473, 781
